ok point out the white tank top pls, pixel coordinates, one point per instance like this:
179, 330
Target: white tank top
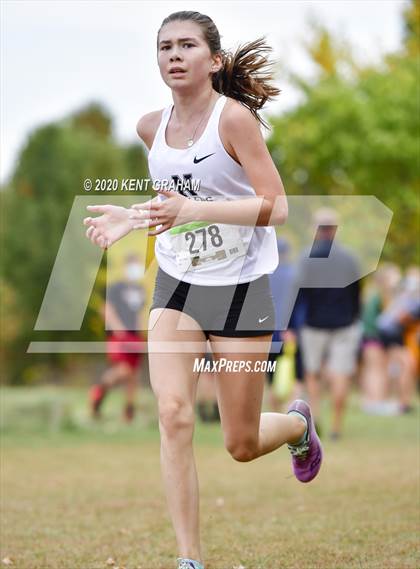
206, 253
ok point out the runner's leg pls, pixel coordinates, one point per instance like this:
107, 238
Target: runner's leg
174, 384
248, 433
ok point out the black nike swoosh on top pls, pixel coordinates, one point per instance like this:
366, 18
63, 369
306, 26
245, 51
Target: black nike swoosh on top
197, 160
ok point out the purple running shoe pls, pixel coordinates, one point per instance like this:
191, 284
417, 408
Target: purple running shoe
306, 457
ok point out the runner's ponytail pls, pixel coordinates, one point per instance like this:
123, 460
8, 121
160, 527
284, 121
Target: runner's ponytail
246, 76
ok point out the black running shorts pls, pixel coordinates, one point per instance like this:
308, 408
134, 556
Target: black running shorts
236, 311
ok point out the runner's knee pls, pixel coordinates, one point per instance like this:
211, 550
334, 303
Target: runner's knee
175, 417
242, 449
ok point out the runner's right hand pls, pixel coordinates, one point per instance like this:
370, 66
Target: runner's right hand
112, 225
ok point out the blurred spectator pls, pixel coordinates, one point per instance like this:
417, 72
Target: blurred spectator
125, 299
206, 401
412, 328
282, 283
395, 323
332, 331
374, 365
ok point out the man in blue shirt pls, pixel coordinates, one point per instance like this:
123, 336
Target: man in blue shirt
332, 331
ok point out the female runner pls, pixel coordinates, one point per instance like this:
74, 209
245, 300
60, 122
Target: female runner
215, 246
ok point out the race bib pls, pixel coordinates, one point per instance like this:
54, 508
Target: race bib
201, 243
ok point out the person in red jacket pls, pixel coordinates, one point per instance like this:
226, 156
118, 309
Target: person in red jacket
123, 304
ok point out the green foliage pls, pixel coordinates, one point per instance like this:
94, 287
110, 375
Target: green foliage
357, 133
412, 27
49, 175
94, 118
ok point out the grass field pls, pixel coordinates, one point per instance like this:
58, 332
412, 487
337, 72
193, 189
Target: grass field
75, 493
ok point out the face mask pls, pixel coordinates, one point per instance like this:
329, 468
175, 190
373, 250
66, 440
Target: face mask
133, 272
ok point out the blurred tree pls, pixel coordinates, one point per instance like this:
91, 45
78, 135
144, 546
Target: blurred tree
95, 118
35, 207
324, 50
357, 132
412, 27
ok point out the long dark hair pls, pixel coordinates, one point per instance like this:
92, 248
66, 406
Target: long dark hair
246, 75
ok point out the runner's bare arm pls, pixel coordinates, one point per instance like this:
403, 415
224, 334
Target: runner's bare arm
241, 132
147, 127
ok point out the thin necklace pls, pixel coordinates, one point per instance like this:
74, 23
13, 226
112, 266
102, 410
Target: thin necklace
190, 140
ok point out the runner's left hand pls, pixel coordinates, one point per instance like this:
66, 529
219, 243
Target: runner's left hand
175, 210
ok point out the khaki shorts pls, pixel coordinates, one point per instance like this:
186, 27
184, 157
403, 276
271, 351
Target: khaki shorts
336, 348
